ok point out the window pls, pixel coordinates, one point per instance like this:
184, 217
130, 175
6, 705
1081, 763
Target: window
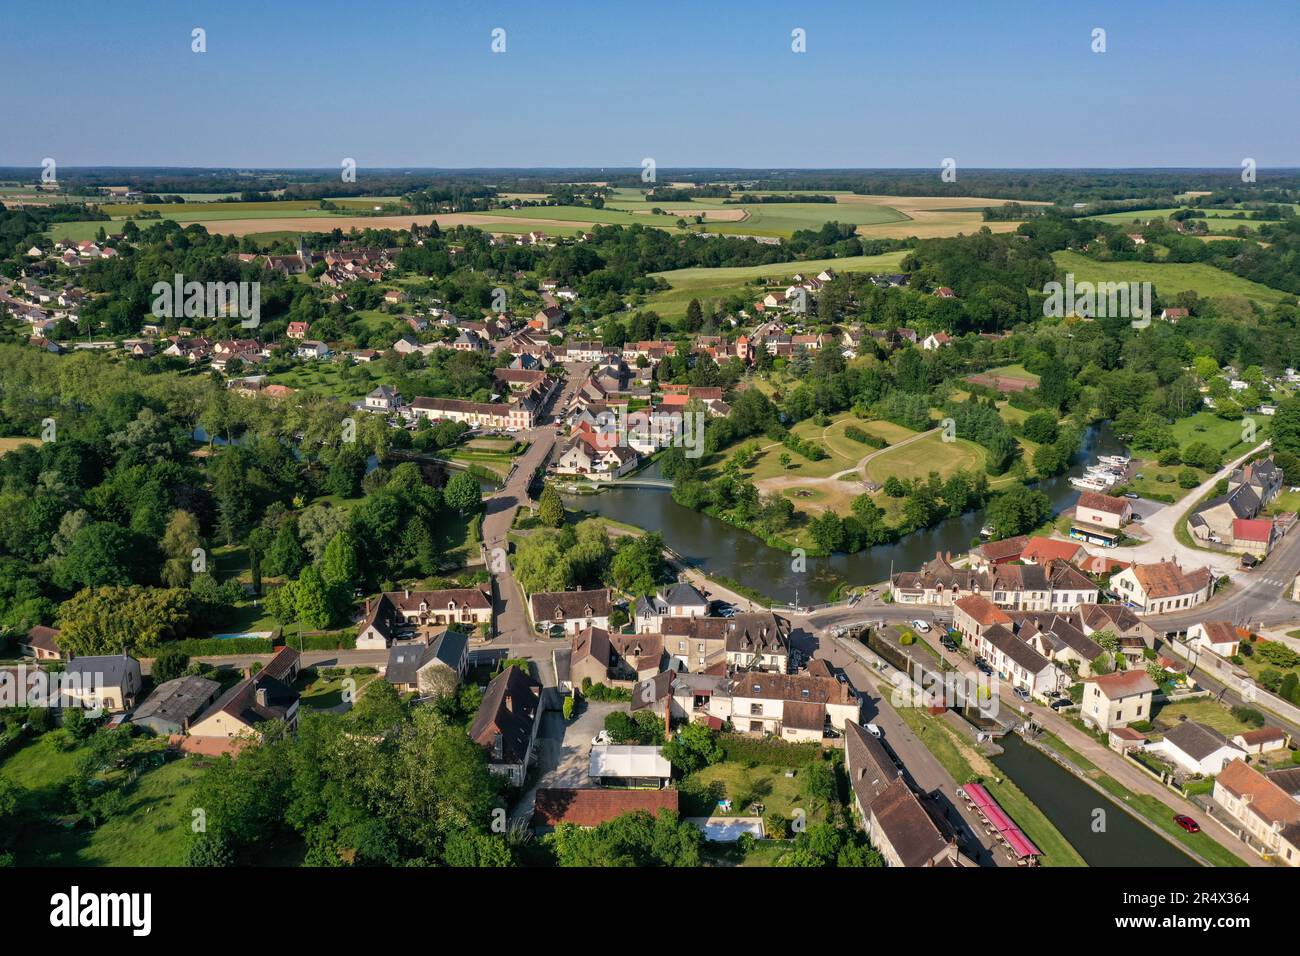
756, 710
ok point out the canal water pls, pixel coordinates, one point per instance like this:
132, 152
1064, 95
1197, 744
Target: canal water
1073, 807
721, 549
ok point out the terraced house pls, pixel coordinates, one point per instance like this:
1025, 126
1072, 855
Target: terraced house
1054, 586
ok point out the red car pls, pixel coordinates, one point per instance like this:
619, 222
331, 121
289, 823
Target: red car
1187, 823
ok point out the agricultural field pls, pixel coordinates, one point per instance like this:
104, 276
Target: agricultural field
1217, 221
1168, 278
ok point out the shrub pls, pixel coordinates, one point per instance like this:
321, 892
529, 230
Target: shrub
568, 707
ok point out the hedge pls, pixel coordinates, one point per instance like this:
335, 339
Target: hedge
213, 646
770, 751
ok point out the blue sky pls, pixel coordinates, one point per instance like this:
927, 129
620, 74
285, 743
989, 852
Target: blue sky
999, 83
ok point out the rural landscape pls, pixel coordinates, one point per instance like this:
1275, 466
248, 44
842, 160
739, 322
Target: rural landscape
474, 505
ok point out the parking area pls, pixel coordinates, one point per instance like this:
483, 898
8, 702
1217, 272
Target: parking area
564, 759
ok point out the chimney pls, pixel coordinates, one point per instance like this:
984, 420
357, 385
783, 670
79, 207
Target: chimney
498, 747
407, 591
508, 702
263, 697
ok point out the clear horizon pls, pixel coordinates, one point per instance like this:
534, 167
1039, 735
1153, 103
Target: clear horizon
417, 86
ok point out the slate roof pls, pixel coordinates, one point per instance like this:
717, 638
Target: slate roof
1197, 740
177, 701
562, 605
112, 669
509, 708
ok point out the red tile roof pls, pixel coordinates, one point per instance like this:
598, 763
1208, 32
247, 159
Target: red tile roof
589, 808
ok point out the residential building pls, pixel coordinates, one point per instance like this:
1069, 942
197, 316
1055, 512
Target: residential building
42, 643
1197, 748
795, 707
404, 615
897, 823
1268, 812
431, 669
507, 721
572, 611
520, 415
1162, 587
110, 682
265, 696
1221, 637
1113, 700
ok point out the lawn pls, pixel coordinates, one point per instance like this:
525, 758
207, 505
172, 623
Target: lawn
931, 453
1204, 711
1219, 433
322, 693
18, 441
744, 785
1167, 278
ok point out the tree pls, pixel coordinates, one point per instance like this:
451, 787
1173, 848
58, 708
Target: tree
340, 569
1018, 510
286, 555
695, 746
1041, 427
463, 493
169, 664
550, 508
313, 600
113, 620
180, 541
101, 554
638, 563
379, 708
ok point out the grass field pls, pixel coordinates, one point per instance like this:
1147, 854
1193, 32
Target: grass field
1215, 220
925, 455
1203, 711
705, 284
743, 785
1168, 278
152, 830
1220, 433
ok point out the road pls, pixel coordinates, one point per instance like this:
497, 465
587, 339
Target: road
511, 617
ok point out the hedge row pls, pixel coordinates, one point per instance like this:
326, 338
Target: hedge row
770, 751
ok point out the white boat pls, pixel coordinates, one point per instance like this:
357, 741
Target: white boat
1090, 484
1119, 461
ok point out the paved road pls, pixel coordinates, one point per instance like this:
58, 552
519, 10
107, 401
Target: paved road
511, 618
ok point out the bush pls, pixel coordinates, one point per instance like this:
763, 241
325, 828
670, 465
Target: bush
770, 751
1187, 478
570, 704
1248, 715
776, 826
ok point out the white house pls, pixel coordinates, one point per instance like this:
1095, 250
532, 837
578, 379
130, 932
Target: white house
1217, 636
1162, 587
1197, 748
1114, 700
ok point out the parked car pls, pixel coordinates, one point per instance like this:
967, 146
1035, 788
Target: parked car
1061, 702
1021, 693
948, 643
983, 667
921, 626
601, 739
1187, 823
874, 731
1131, 494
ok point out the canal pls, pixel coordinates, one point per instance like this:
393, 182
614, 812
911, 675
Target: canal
721, 549
1102, 832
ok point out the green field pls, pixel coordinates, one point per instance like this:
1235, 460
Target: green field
925, 455
705, 284
152, 829
1218, 221
1168, 278
1220, 433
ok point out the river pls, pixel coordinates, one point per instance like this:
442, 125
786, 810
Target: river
721, 549
1110, 837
